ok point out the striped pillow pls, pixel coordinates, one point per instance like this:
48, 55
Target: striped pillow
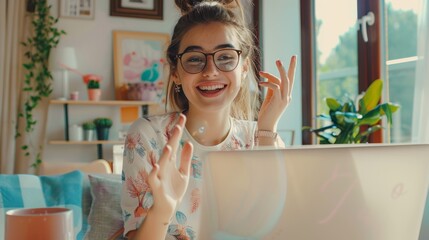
30, 191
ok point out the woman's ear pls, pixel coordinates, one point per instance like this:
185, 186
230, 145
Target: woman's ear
174, 76
246, 66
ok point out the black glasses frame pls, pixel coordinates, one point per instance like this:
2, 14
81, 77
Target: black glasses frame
179, 56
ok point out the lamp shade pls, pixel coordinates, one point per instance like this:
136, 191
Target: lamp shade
63, 58
39, 223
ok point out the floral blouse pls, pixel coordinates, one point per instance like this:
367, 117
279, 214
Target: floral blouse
143, 146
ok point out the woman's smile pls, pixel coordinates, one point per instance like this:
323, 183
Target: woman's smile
211, 89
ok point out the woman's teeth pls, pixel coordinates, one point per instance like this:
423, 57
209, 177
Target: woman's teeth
211, 87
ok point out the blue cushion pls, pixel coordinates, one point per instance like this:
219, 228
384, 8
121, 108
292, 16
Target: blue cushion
30, 191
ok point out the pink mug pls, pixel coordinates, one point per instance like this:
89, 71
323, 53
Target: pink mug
74, 96
39, 223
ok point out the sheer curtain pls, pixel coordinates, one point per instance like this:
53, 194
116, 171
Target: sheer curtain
12, 29
421, 93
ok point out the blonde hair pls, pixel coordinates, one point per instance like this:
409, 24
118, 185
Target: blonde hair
196, 12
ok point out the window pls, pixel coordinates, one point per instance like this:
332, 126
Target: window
344, 65
400, 64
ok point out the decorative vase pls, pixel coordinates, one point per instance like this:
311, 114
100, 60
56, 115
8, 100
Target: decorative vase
103, 133
94, 94
76, 133
88, 135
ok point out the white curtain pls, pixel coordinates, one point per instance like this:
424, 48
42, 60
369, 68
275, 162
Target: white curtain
13, 26
421, 95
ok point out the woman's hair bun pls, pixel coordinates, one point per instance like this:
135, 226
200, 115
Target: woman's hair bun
186, 6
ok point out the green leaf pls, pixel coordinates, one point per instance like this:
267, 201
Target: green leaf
304, 128
385, 110
28, 66
346, 118
351, 117
372, 97
327, 137
389, 108
371, 130
322, 129
323, 117
333, 104
371, 118
349, 106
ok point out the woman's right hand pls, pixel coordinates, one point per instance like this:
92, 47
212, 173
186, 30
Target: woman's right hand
169, 183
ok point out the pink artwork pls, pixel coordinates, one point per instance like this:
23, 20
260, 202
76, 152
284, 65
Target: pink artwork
139, 65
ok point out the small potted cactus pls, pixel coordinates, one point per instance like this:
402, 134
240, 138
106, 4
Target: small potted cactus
102, 125
88, 131
94, 91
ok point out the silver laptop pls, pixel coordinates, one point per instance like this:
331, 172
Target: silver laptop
362, 192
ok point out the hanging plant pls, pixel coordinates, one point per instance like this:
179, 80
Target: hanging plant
38, 79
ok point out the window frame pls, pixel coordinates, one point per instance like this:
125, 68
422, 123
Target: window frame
369, 61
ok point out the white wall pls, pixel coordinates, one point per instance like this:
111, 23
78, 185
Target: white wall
92, 40
281, 31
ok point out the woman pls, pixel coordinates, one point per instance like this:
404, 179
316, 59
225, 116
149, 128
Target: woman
213, 108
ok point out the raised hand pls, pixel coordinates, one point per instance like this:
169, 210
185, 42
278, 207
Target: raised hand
169, 183
278, 96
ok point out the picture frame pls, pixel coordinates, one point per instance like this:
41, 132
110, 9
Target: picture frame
80, 9
139, 65
150, 9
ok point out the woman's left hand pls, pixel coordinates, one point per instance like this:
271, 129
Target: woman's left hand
278, 96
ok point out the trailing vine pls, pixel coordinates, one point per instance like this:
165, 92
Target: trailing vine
38, 79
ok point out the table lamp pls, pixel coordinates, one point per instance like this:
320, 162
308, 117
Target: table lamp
39, 223
64, 59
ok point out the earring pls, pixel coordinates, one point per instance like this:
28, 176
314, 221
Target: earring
177, 88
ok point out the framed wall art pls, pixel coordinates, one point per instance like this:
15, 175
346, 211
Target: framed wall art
139, 65
83, 9
151, 9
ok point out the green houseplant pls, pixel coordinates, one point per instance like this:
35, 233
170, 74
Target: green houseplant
102, 126
88, 126
38, 79
350, 124
94, 91
93, 84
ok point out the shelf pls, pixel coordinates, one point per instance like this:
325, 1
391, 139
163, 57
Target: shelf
109, 102
66, 103
63, 142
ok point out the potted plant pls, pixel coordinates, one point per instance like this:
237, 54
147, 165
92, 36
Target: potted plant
348, 124
102, 126
88, 131
94, 91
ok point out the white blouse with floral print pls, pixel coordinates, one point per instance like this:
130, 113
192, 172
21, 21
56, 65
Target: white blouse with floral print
143, 146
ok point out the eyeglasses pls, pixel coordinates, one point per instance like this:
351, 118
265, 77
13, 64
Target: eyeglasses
225, 60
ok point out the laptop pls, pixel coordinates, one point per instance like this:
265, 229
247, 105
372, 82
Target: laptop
368, 191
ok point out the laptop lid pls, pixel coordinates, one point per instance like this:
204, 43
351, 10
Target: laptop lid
369, 192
